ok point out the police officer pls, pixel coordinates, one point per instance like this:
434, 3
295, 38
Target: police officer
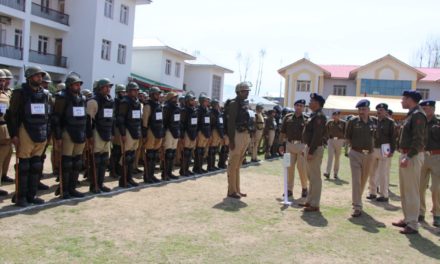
6, 90
87, 93
203, 132
431, 166
224, 144
129, 123
100, 124
291, 133
28, 124
152, 121
269, 133
278, 122
258, 133
411, 146
115, 156
5, 139
336, 138
171, 122
189, 125
239, 138
69, 126
217, 132
313, 137
384, 146
359, 135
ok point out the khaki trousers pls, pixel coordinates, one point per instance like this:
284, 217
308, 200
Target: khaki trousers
379, 173
216, 140
99, 145
409, 179
255, 142
314, 173
430, 168
28, 148
334, 152
169, 141
296, 158
5, 157
360, 165
236, 157
270, 139
69, 148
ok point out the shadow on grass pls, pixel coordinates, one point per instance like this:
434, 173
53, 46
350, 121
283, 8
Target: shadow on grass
368, 223
230, 205
337, 181
424, 246
386, 206
433, 230
394, 196
314, 219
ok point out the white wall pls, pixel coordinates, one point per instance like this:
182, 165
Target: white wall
198, 80
147, 63
171, 79
52, 34
329, 83
384, 67
434, 89
10, 30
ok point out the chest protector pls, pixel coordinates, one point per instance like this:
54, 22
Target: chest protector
74, 118
243, 117
35, 114
155, 121
105, 116
219, 122
191, 126
172, 123
133, 120
204, 121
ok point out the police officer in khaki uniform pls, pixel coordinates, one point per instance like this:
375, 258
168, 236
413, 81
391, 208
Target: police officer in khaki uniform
411, 146
116, 152
217, 132
69, 127
269, 133
384, 146
55, 153
6, 90
336, 138
129, 123
171, 124
238, 133
291, 133
313, 137
5, 139
359, 135
189, 124
203, 132
431, 166
258, 133
28, 124
224, 144
100, 127
152, 129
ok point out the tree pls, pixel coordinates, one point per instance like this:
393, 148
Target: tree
260, 72
428, 55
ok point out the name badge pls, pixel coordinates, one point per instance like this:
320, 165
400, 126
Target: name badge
136, 114
207, 120
177, 117
78, 111
220, 120
3, 108
38, 109
159, 116
108, 112
194, 121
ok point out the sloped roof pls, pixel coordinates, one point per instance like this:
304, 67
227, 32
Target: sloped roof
156, 44
202, 61
282, 70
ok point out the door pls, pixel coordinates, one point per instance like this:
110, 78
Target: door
59, 51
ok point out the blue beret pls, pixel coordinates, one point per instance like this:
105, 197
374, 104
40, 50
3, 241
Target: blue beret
382, 105
300, 101
363, 103
337, 112
416, 96
317, 97
390, 112
427, 103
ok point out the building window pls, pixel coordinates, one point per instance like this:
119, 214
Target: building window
108, 8
168, 67
106, 49
384, 87
124, 14
122, 52
42, 44
18, 39
340, 89
2, 35
424, 93
303, 86
216, 87
45, 6
177, 69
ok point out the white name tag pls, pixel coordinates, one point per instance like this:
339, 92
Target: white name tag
176, 117
207, 120
159, 116
38, 109
136, 114
108, 112
78, 111
194, 121
220, 120
3, 108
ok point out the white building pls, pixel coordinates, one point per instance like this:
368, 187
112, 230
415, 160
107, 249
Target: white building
202, 75
154, 63
90, 37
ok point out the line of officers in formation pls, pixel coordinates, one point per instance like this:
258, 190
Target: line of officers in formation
82, 123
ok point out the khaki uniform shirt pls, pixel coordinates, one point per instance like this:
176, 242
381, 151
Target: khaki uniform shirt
360, 134
412, 132
293, 127
314, 131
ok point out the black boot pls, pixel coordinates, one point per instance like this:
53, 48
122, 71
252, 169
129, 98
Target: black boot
115, 157
186, 158
66, 170
211, 159
197, 166
169, 164
76, 168
223, 157
130, 166
201, 159
94, 172
35, 172
23, 175
148, 176
101, 174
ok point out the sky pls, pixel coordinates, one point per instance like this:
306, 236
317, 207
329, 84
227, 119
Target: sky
347, 32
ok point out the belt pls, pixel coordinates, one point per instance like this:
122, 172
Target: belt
295, 141
360, 150
335, 138
432, 152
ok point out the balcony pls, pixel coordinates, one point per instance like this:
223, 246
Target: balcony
50, 14
11, 52
16, 4
47, 59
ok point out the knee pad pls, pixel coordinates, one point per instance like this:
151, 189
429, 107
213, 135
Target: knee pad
187, 152
156, 154
36, 165
97, 158
169, 153
104, 158
201, 151
150, 154
24, 166
77, 164
67, 163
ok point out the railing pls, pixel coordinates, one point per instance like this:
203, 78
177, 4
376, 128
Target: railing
12, 52
48, 59
50, 14
16, 4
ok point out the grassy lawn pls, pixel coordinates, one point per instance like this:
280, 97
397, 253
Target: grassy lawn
192, 222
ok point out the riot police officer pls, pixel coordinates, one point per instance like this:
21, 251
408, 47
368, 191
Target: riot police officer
171, 123
6, 90
5, 139
203, 132
189, 121
258, 133
217, 132
115, 156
